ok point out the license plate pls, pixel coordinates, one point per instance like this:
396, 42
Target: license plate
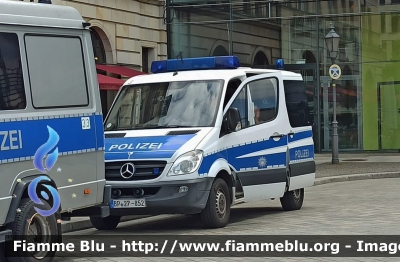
128, 203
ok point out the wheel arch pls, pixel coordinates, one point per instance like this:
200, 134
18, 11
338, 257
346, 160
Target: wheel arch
21, 192
222, 170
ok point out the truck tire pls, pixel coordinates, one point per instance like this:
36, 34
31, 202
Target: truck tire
105, 223
3, 252
292, 200
33, 227
218, 208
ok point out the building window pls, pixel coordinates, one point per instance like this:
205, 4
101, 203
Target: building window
246, 7
98, 48
145, 59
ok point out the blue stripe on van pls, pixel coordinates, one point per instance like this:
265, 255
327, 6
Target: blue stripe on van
20, 138
302, 153
257, 162
300, 135
248, 162
148, 147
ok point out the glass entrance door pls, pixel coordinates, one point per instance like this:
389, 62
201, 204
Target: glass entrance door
389, 115
348, 112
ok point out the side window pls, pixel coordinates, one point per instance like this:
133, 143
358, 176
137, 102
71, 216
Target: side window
56, 71
257, 102
231, 89
264, 97
12, 89
297, 104
241, 104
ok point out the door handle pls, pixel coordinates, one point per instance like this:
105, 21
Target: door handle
277, 136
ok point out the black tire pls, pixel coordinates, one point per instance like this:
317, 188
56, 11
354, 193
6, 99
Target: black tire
3, 252
105, 223
218, 208
27, 222
292, 200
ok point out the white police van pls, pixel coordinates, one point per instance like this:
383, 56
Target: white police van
202, 134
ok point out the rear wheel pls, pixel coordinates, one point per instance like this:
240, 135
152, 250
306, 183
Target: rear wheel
105, 223
293, 200
33, 228
218, 208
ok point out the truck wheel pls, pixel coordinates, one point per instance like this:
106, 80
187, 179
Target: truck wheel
3, 252
33, 228
292, 200
218, 208
105, 223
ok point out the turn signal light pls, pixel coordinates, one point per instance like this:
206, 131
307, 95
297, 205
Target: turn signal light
87, 191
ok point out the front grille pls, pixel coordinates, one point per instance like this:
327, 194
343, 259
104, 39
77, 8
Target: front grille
144, 170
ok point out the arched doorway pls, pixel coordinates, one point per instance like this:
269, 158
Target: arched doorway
220, 51
98, 47
309, 57
260, 59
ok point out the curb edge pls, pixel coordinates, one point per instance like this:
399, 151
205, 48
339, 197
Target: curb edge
355, 177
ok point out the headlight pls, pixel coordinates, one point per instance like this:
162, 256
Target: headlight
187, 163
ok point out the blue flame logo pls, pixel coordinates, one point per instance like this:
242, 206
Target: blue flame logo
50, 161
44, 149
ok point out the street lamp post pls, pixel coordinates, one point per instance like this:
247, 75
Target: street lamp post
332, 42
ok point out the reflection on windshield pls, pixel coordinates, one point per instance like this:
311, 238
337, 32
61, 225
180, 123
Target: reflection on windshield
158, 105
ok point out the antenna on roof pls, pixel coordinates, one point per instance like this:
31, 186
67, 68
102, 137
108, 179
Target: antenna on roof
176, 68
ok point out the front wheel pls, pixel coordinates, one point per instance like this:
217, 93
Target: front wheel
293, 200
105, 223
33, 228
218, 208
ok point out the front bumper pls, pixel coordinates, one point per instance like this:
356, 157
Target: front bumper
164, 197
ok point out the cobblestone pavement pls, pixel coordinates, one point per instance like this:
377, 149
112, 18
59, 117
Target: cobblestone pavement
366, 207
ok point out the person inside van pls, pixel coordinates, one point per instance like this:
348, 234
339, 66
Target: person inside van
257, 119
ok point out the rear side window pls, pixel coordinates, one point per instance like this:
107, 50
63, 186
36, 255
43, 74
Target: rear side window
56, 71
12, 90
297, 104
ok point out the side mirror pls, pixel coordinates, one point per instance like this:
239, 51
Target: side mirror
233, 122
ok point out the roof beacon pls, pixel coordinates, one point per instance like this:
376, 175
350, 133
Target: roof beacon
279, 64
173, 65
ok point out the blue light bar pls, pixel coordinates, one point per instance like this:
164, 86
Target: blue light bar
200, 63
280, 64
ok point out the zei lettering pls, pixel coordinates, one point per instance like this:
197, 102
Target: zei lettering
10, 140
140, 146
302, 153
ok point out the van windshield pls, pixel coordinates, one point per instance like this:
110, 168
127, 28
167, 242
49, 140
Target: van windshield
165, 105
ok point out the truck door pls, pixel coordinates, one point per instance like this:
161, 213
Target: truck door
258, 150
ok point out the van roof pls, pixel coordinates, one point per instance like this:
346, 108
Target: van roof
210, 74
35, 14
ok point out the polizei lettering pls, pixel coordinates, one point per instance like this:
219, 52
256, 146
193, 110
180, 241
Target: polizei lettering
138, 146
302, 153
10, 140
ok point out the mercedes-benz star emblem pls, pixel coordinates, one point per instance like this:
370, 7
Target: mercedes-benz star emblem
127, 170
